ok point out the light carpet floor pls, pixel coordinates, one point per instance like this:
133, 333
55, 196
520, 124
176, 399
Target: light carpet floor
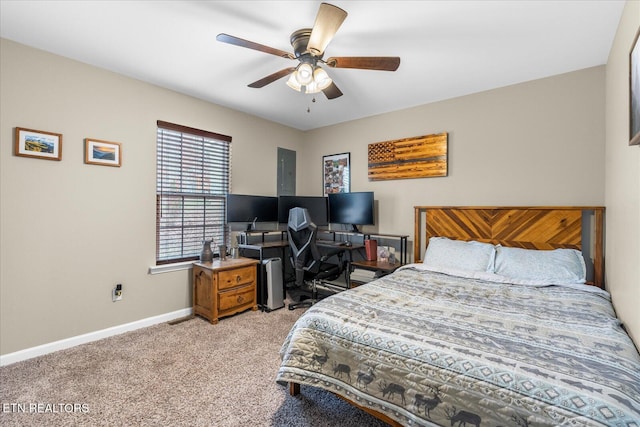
188, 374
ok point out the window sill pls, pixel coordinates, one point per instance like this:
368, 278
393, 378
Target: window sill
168, 268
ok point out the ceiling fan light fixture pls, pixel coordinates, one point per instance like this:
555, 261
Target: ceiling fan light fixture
321, 79
311, 88
292, 82
318, 81
304, 74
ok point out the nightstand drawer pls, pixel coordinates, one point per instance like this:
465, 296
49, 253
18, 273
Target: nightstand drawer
236, 298
237, 277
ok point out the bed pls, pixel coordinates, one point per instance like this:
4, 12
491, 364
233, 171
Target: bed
501, 324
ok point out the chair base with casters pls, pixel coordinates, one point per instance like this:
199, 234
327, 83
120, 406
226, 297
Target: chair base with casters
307, 302
316, 285
313, 282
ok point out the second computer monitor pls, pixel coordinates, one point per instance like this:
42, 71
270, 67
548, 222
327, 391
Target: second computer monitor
351, 208
317, 207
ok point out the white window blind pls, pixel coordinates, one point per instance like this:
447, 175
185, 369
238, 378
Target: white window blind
193, 174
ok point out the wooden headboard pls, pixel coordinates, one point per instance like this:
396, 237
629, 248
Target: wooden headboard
531, 227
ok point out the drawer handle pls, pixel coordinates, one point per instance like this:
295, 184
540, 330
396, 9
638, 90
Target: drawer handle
240, 299
238, 278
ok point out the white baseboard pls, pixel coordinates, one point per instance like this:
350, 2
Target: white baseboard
29, 353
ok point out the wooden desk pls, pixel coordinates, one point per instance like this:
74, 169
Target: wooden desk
383, 266
260, 246
364, 236
338, 245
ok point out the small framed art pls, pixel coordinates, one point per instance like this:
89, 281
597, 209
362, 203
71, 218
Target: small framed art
336, 173
634, 91
38, 143
105, 153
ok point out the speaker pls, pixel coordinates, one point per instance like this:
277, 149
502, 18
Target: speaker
273, 286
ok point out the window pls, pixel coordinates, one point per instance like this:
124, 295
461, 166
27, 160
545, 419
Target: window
193, 175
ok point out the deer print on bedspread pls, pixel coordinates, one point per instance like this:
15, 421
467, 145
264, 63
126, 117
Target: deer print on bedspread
462, 417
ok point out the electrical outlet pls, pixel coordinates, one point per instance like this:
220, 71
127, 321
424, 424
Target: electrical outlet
116, 293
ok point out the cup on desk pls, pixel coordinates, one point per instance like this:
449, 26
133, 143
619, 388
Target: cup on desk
371, 249
235, 252
222, 249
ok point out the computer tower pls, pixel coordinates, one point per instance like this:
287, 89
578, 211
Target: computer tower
274, 288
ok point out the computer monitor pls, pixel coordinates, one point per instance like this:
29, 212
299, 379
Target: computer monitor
351, 208
316, 205
251, 209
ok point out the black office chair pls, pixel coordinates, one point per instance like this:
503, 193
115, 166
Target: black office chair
308, 263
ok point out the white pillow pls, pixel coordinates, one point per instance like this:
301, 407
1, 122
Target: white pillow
444, 253
558, 265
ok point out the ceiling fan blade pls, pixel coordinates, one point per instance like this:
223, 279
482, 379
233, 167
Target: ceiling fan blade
272, 77
332, 91
328, 21
226, 38
383, 63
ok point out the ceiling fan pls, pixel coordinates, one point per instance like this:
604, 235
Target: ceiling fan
309, 45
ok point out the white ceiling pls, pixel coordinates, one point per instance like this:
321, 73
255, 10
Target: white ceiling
447, 48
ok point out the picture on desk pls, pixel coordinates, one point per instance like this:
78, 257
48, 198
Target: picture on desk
387, 254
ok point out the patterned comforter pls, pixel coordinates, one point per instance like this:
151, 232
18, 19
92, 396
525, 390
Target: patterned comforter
425, 348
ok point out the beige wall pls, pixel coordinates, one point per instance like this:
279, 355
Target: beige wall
69, 231
622, 182
536, 143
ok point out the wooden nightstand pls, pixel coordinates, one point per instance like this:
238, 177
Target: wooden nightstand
223, 288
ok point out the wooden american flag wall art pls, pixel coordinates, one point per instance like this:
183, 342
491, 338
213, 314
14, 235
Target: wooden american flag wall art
417, 157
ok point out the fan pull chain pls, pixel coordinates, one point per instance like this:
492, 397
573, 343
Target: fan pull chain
309, 108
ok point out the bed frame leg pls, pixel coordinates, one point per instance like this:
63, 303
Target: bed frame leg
294, 389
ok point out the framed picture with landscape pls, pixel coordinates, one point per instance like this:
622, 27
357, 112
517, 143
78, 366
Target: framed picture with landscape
104, 153
336, 173
38, 143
